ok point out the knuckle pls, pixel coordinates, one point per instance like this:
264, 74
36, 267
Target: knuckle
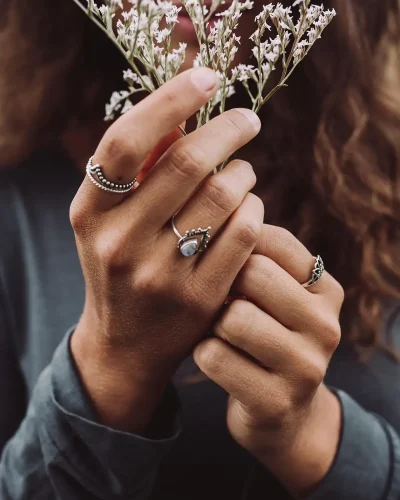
82, 221
256, 200
235, 321
146, 281
243, 165
258, 210
233, 119
77, 216
221, 193
333, 338
184, 161
122, 150
253, 266
287, 241
280, 411
243, 172
251, 418
248, 231
338, 291
329, 332
313, 374
111, 254
209, 356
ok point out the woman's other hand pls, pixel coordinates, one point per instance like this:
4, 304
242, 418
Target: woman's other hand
271, 353
146, 305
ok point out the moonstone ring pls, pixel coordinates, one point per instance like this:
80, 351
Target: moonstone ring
193, 241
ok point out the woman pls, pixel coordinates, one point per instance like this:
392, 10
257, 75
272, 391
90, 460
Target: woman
94, 342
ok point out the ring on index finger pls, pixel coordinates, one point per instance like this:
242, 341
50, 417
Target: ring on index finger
96, 175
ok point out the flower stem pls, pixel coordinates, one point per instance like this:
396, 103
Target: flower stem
268, 96
183, 131
115, 42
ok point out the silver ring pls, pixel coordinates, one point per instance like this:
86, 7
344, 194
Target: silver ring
193, 241
95, 174
317, 272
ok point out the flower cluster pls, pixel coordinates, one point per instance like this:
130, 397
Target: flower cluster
144, 33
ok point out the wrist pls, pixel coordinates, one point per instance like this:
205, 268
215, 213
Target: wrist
124, 391
303, 464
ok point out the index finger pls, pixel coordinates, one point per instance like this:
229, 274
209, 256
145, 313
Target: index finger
127, 143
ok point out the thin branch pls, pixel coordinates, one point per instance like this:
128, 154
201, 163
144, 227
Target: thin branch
273, 91
183, 131
205, 33
115, 42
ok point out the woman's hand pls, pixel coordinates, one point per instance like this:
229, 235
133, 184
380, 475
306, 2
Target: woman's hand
271, 354
146, 305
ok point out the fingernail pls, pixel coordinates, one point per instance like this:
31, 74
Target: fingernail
251, 116
204, 79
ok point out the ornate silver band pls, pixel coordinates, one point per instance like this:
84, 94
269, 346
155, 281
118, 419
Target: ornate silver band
317, 272
193, 241
95, 174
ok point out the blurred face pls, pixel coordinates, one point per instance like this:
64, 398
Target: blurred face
184, 31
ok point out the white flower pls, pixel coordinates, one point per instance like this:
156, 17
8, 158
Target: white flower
130, 76
147, 80
162, 35
104, 11
300, 51
247, 5
127, 106
165, 6
141, 40
264, 14
144, 32
171, 16
128, 15
267, 68
116, 3
245, 72
313, 34
116, 103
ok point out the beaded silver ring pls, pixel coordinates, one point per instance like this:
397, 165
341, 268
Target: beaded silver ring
95, 174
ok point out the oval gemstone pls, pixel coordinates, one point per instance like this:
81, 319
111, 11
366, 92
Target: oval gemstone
189, 247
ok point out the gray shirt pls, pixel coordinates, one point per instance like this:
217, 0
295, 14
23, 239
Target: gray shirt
54, 446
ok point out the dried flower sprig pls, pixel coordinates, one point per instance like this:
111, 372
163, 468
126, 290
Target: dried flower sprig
143, 34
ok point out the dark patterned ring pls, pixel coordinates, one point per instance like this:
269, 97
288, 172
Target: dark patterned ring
317, 272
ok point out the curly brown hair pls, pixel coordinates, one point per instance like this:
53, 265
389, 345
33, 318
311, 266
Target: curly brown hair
336, 183
328, 159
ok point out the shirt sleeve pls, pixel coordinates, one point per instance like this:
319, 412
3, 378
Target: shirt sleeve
366, 466
60, 451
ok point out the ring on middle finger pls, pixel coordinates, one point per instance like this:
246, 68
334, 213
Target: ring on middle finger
192, 242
